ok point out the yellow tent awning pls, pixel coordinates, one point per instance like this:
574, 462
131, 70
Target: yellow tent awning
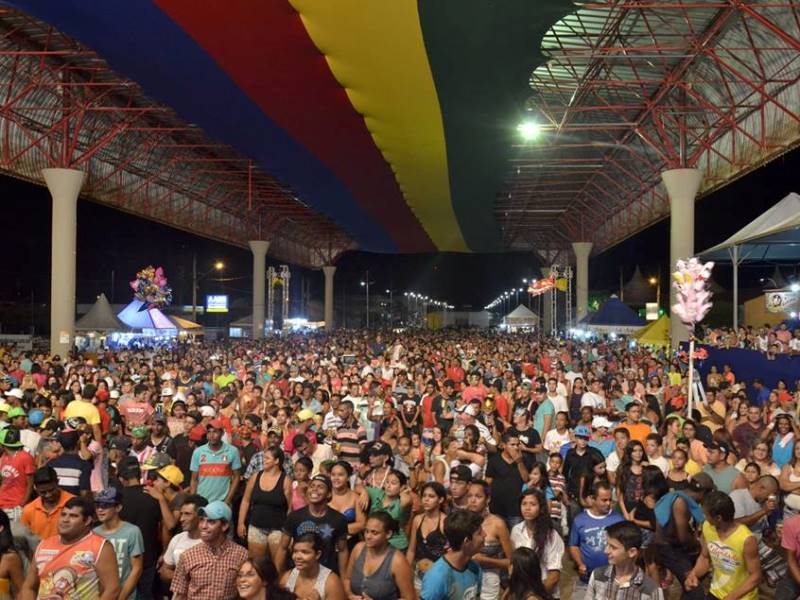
655, 333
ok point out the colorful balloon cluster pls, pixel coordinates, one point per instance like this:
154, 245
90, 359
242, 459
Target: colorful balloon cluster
693, 296
150, 286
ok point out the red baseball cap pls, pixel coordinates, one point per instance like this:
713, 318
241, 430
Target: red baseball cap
216, 424
197, 433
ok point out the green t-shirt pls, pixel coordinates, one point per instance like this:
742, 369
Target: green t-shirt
376, 496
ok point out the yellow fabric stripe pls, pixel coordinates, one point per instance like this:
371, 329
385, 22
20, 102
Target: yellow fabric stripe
375, 50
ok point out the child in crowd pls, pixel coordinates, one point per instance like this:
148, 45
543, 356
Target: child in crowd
623, 546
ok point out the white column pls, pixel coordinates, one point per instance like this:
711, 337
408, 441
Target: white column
682, 186
328, 271
547, 306
65, 186
259, 249
582, 251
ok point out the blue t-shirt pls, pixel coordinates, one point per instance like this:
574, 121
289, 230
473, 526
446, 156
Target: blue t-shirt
215, 470
588, 534
128, 543
444, 582
761, 398
606, 447
544, 409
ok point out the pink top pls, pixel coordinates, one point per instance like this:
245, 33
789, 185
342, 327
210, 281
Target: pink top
298, 500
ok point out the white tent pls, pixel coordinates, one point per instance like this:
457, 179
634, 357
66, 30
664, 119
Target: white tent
775, 235
521, 317
100, 317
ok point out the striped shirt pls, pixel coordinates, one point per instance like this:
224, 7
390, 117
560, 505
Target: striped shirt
350, 440
215, 470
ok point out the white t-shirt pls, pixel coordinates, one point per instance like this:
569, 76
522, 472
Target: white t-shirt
554, 440
660, 462
571, 376
559, 403
794, 344
177, 546
596, 401
612, 462
550, 558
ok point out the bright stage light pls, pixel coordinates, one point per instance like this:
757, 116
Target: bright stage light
529, 130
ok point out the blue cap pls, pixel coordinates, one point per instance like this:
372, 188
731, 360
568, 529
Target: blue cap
582, 431
35, 417
216, 511
108, 497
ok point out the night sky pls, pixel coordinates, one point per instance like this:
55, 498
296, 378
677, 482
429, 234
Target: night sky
115, 245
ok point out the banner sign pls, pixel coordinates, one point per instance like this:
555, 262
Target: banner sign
779, 302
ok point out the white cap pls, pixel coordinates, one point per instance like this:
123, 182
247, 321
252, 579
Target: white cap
114, 393
599, 422
166, 376
15, 393
208, 411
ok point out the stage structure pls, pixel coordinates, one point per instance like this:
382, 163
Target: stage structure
278, 278
560, 280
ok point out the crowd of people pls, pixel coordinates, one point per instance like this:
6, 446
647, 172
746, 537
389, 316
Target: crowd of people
373, 466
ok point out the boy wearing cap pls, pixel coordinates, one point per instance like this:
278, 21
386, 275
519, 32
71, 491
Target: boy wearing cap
460, 478
208, 571
725, 477
82, 407
17, 468
125, 537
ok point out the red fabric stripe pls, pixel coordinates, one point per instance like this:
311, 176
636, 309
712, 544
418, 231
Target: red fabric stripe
265, 49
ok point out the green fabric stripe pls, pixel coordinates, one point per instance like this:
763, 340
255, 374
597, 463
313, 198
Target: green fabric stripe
482, 54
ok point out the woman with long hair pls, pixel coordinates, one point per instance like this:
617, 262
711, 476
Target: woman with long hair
427, 542
376, 569
265, 504
596, 473
629, 477
783, 443
525, 582
762, 456
258, 580
671, 434
494, 557
308, 575
536, 532
345, 500
11, 570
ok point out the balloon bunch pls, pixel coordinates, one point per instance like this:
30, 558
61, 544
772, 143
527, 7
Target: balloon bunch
693, 296
150, 286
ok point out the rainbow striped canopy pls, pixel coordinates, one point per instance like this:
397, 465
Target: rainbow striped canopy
395, 118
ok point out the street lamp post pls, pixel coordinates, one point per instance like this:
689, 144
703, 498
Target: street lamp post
218, 266
365, 284
656, 281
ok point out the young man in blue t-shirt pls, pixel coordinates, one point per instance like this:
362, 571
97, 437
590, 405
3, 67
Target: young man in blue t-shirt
455, 576
587, 537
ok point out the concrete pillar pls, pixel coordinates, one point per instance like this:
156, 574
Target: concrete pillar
582, 251
259, 249
547, 306
682, 186
65, 186
328, 271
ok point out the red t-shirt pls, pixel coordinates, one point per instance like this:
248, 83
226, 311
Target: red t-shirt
427, 412
15, 471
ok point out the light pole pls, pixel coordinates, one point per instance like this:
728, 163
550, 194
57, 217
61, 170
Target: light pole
365, 284
391, 307
656, 281
218, 266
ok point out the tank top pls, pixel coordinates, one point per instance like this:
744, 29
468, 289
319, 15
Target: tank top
727, 560
378, 586
298, 501
431, 546
268, 508
722, 479
443, 460
319, 583
67, 571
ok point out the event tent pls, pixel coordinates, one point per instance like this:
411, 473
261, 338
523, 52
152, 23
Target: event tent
773, 236
655, 333
99, 318
135, 317
638, 290
522, 317
613, 317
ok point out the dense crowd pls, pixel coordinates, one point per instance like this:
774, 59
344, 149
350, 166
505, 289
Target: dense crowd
458, 465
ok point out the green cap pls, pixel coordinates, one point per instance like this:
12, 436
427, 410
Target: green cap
140, 432
17, 412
